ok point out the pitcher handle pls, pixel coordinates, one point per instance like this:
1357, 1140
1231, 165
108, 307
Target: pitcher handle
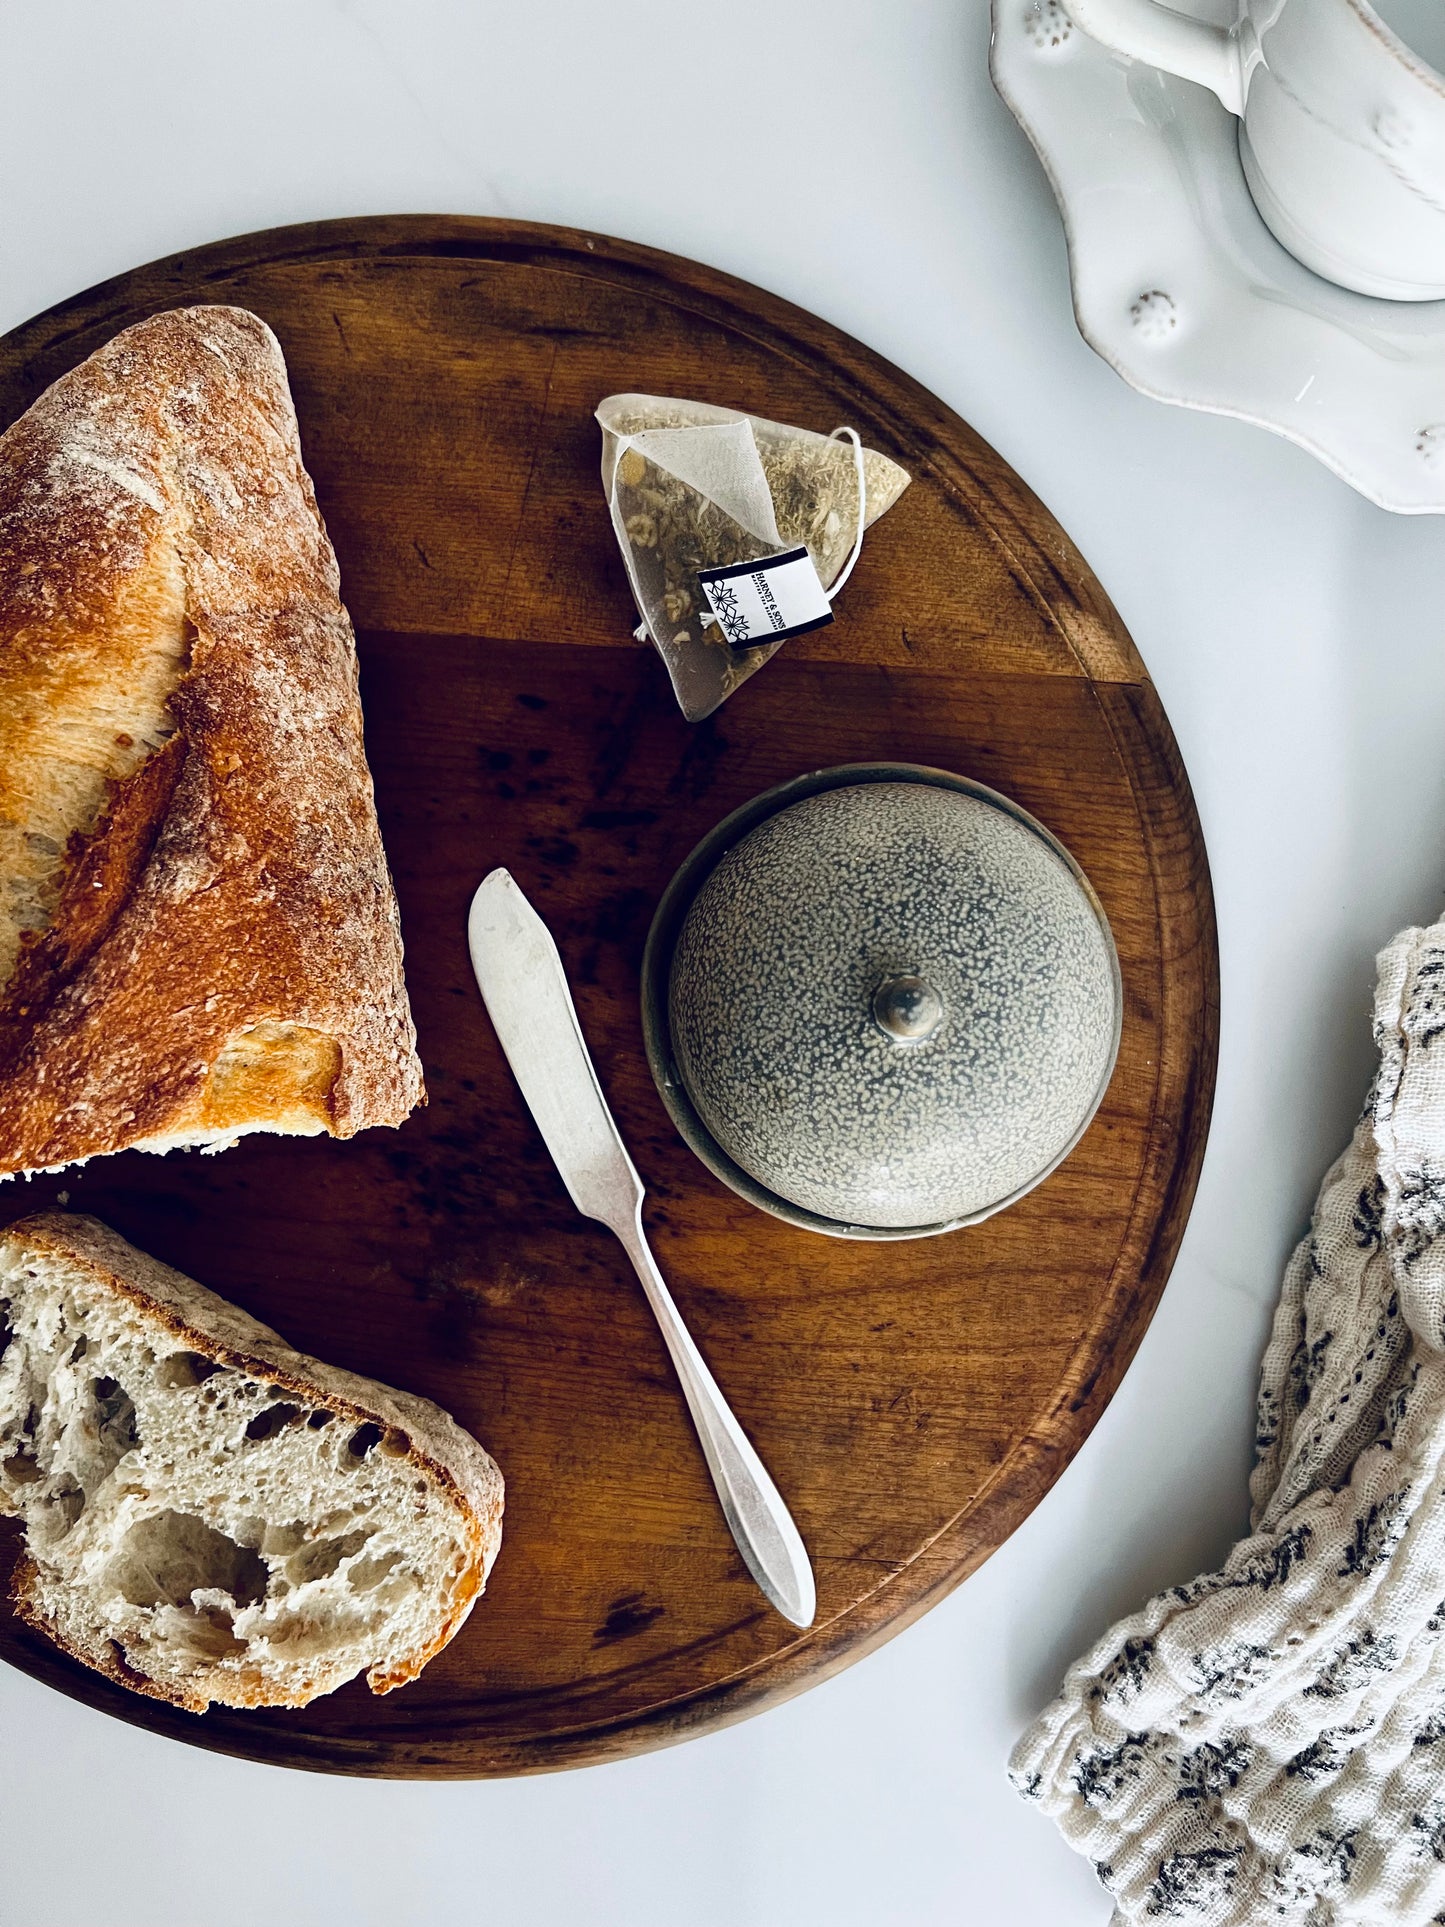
1190, 48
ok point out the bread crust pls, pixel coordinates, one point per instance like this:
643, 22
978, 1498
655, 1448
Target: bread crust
415, 1429
236, 878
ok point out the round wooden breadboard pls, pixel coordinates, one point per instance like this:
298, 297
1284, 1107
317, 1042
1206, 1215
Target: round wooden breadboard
912, 1401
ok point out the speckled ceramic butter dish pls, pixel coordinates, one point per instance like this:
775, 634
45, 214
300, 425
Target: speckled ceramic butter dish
881, 1001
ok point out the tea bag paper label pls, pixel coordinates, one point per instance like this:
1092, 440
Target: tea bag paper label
768, 600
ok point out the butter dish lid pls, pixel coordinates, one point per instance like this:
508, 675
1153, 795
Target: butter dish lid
881, 1001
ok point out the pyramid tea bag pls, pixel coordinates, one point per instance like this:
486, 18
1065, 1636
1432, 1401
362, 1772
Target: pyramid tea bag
697, 493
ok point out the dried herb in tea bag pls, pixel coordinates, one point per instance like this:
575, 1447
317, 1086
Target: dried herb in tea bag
693, 487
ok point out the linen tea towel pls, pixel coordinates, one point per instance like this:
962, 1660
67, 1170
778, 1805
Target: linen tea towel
1267, 1743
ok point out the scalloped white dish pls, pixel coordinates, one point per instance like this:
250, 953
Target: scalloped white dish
1181, 287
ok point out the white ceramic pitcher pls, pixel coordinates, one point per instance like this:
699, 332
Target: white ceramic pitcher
1342, 128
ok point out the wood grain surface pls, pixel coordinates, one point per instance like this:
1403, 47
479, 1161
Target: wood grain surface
913, 1401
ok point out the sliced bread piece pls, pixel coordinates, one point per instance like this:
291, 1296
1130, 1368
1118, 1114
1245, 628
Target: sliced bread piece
198, 932
208, 1514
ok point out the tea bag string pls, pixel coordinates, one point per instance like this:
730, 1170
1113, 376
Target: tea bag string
856, 550
848, 566
642, 633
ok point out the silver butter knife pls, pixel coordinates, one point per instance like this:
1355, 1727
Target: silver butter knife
524, 987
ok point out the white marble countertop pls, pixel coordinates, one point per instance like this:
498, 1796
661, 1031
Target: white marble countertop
852, 157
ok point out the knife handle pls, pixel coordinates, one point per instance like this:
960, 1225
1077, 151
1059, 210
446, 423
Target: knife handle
757, 1517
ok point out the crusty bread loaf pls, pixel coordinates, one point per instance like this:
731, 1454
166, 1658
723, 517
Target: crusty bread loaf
198, 933
208, 1514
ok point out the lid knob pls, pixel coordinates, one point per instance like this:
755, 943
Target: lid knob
907, 1009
